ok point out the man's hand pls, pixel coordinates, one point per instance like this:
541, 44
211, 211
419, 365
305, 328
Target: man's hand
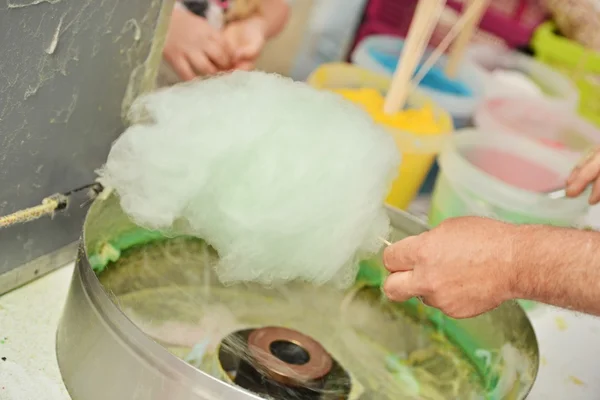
586, 173
246, 37
193, 47
465, 266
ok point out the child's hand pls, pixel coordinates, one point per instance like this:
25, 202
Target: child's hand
193, 47
246, 38
586, 173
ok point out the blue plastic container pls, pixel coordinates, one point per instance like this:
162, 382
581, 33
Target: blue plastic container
460, 97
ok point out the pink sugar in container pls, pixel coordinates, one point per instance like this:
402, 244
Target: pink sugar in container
540, 119
504, 177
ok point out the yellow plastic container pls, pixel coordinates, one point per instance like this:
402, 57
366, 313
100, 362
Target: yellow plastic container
418, 143
580, 64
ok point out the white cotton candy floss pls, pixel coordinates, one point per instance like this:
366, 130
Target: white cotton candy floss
284, 181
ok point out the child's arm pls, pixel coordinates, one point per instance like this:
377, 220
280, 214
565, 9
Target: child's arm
275, 14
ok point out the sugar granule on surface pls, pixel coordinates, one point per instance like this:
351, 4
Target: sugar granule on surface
284, 181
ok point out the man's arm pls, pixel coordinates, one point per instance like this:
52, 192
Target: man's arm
558, 266
467, 266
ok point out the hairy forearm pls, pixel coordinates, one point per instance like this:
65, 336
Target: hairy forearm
275, 14
558, 266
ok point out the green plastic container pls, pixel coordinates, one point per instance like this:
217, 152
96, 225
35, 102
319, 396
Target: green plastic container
580, 64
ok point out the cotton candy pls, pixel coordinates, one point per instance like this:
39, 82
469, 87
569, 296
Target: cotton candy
284, 181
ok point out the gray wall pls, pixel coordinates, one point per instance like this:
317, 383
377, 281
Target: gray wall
67, 70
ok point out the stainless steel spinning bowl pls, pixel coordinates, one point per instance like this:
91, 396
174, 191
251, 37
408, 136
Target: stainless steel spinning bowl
103, 355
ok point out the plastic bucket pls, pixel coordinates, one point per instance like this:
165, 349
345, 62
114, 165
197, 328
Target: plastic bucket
418, 150
580, 64
374, 52
503, 177
545, 121
550, 83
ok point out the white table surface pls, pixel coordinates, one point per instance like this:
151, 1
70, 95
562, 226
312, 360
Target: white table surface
569, 345
28, 321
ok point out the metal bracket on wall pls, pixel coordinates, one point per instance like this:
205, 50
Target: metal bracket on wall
43, 265
49, 206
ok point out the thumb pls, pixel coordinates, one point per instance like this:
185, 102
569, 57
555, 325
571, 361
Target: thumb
400, 286
400, 256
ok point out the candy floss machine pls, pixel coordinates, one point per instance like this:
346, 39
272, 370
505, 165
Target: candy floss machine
145, 317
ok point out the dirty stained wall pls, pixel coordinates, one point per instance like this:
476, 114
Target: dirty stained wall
68, 70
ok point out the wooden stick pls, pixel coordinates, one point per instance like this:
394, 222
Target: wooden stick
421, 28
439, 51
477, 9
385, 241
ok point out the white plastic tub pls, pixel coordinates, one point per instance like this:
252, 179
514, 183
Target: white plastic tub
503, 177
461, 108
492, 61
541, 119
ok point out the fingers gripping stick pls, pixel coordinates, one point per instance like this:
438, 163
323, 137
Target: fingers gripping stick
398, 260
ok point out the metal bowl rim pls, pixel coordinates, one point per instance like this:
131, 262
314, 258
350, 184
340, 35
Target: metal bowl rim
161, 359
